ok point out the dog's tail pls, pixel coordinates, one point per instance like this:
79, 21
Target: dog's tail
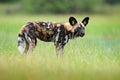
22, 41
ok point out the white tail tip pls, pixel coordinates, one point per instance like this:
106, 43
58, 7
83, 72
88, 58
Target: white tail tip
21, 49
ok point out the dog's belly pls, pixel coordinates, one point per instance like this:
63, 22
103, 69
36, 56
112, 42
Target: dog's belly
45, 37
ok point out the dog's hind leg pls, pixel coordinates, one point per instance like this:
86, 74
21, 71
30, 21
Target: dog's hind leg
30, 41
32, 45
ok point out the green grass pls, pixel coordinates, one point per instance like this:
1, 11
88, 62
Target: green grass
93, 57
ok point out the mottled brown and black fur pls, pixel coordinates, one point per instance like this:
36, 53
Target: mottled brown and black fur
59, 33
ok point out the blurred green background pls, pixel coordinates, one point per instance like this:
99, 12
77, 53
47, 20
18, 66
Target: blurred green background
96, 56
59, 6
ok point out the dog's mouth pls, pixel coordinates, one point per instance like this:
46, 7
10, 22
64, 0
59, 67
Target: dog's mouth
79, 34
82, 34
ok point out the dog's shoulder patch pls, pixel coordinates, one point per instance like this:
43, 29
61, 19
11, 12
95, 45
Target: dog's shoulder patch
68, 26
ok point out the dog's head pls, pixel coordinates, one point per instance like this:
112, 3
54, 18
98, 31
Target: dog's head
78, 27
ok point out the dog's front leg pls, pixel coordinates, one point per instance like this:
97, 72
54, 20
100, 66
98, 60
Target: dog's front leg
59, 49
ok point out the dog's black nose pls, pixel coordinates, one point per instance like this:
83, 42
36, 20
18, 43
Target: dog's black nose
83, 34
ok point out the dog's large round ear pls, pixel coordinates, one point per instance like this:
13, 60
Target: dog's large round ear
85, 21
72, 21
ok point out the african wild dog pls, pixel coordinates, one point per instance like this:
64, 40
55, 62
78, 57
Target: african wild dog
59, 33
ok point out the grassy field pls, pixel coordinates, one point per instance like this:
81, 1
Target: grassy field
93, 57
